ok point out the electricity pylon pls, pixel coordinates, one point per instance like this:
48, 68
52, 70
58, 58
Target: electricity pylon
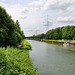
48, 22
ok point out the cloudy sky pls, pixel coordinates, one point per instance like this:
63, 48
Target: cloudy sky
32, 14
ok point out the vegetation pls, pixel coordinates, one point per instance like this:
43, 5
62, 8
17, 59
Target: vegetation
67, 32
37, 37
26, 45
14, 61
10, 32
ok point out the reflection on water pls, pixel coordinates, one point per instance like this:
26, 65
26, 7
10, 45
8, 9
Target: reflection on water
53, 59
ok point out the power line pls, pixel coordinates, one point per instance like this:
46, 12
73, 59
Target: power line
48, 22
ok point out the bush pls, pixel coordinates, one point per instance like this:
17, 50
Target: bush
14, 61
2, 61
74, 38
26, 45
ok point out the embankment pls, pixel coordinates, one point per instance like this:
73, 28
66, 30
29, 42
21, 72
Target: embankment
59, 41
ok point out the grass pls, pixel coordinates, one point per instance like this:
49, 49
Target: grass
71, 41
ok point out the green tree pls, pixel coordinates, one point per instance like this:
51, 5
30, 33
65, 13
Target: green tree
67, 32
10, 32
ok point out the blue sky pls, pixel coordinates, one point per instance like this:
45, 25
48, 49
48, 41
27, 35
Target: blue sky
32, 14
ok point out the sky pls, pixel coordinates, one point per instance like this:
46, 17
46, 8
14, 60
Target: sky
32, 14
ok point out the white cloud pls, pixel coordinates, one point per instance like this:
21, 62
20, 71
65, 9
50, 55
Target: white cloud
3, 4
64, 20
17, 11
33, 10
25, 10
14, 11
37, 3
60, 5
49, 4
3, 0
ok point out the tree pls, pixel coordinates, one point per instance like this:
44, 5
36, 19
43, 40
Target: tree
10, 32
67, 32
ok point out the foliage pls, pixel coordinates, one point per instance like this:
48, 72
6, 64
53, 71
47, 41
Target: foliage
37, 37
10, 32
26, 45
67, 32
14, 61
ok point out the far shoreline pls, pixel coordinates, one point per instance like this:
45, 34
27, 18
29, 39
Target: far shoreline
71, 42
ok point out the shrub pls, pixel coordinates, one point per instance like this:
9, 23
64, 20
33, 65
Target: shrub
26, 45
14, 61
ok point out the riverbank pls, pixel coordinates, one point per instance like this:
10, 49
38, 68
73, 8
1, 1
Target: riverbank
14, 61
71, 42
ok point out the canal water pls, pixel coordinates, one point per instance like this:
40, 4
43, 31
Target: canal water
52, 59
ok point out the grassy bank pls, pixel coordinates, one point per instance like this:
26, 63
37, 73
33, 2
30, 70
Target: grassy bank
60, 41
15, 61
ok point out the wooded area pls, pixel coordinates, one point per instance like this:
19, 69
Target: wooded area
10, 32
67, 32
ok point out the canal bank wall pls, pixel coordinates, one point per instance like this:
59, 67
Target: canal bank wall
60, 42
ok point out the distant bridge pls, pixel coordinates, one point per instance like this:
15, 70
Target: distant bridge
34, 37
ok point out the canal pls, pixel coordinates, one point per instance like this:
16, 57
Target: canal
52, 59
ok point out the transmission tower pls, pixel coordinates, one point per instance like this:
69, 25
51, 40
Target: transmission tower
48, 22
36, 32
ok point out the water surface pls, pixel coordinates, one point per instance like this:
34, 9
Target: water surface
53, 59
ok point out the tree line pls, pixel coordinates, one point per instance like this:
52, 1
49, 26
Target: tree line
67, 32
10, 32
